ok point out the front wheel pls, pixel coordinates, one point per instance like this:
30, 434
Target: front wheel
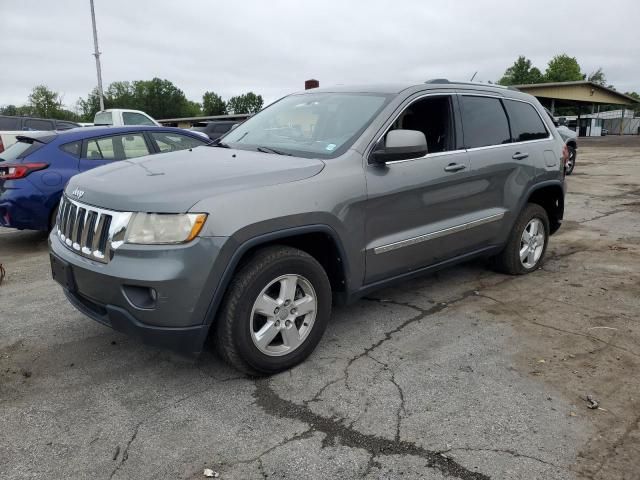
527, 242
275, 311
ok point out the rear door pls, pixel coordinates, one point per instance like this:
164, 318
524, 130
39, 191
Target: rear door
501, 169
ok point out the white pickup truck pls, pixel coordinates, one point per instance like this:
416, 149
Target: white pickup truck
120, 116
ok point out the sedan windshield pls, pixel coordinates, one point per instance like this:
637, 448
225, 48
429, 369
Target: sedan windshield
308, 125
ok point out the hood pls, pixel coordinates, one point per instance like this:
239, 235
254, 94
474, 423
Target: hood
174, 182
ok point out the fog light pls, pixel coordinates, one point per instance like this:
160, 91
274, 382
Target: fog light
140, 297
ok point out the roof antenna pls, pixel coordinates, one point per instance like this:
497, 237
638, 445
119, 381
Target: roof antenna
474, 76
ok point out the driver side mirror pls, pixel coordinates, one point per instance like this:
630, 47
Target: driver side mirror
400, 145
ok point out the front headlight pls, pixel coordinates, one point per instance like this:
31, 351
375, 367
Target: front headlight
164, 228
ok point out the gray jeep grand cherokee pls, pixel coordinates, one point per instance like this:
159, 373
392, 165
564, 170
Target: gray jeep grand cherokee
322, 197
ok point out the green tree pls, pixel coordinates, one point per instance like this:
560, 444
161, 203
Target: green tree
246, 103
212, 104
598, 77
563, 68
44, 102
87, 108
192, 109
9, 110
521, 73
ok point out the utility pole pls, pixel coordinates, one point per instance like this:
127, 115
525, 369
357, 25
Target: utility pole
97, 55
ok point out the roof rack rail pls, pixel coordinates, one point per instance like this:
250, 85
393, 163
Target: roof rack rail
479, 84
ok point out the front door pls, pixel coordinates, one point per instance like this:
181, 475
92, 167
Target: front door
418, 210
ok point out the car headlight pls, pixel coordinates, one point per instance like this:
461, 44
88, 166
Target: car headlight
164, 228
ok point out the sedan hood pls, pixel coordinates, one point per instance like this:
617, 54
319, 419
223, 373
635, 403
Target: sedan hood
174, 182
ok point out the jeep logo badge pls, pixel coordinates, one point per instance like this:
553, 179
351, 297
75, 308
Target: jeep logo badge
77, 193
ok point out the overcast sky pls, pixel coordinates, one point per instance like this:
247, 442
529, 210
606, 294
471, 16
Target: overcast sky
272, 46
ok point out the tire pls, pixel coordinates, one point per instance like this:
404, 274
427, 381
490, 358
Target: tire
571, 161
53, 217
257, 340
509, 260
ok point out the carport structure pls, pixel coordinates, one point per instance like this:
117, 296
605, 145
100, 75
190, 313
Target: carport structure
586, 96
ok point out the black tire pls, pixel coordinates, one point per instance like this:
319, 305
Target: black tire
233, 338
508, 261
571, 161
53, 217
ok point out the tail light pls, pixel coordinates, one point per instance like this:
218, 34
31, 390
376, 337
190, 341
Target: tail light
1, 145
19, 170
565, 157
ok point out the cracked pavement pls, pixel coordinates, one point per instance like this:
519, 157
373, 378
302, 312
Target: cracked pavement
464, 374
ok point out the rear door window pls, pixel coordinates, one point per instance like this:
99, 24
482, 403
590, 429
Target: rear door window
526, 123
101, 149
484, 122
38, 124
171, 142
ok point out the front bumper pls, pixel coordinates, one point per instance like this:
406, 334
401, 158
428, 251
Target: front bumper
182, 278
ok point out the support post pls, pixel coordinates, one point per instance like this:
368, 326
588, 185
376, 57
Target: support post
96, 53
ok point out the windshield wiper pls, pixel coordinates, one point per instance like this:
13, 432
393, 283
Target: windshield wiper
219, 143
272, 150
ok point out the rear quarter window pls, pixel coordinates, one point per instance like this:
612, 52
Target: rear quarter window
73, 148
484, 122
526, 123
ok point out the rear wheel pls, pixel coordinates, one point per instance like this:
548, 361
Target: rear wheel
274, 313
527, 242
571, 161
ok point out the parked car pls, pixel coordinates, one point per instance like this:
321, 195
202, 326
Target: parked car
121, 116
36, 168
570, 138
604, 132
325, 195
11, 127
214, 129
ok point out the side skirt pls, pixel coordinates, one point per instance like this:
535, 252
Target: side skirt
370, 287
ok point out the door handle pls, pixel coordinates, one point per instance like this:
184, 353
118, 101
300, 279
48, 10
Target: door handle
520, 156
454, 167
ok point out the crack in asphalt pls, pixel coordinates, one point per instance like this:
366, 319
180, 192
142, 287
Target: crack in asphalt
513, 453
337, 433
635, 425
136, 429
558, 329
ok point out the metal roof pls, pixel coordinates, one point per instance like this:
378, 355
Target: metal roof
580, 83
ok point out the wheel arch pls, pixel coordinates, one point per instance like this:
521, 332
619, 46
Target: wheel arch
550, 196
319, 240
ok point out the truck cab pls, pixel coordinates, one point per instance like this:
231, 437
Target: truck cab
121, 117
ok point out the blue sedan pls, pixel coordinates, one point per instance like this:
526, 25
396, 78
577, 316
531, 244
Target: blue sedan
34, 170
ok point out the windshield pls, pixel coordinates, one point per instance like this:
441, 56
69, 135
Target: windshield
308, 125
103, 118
